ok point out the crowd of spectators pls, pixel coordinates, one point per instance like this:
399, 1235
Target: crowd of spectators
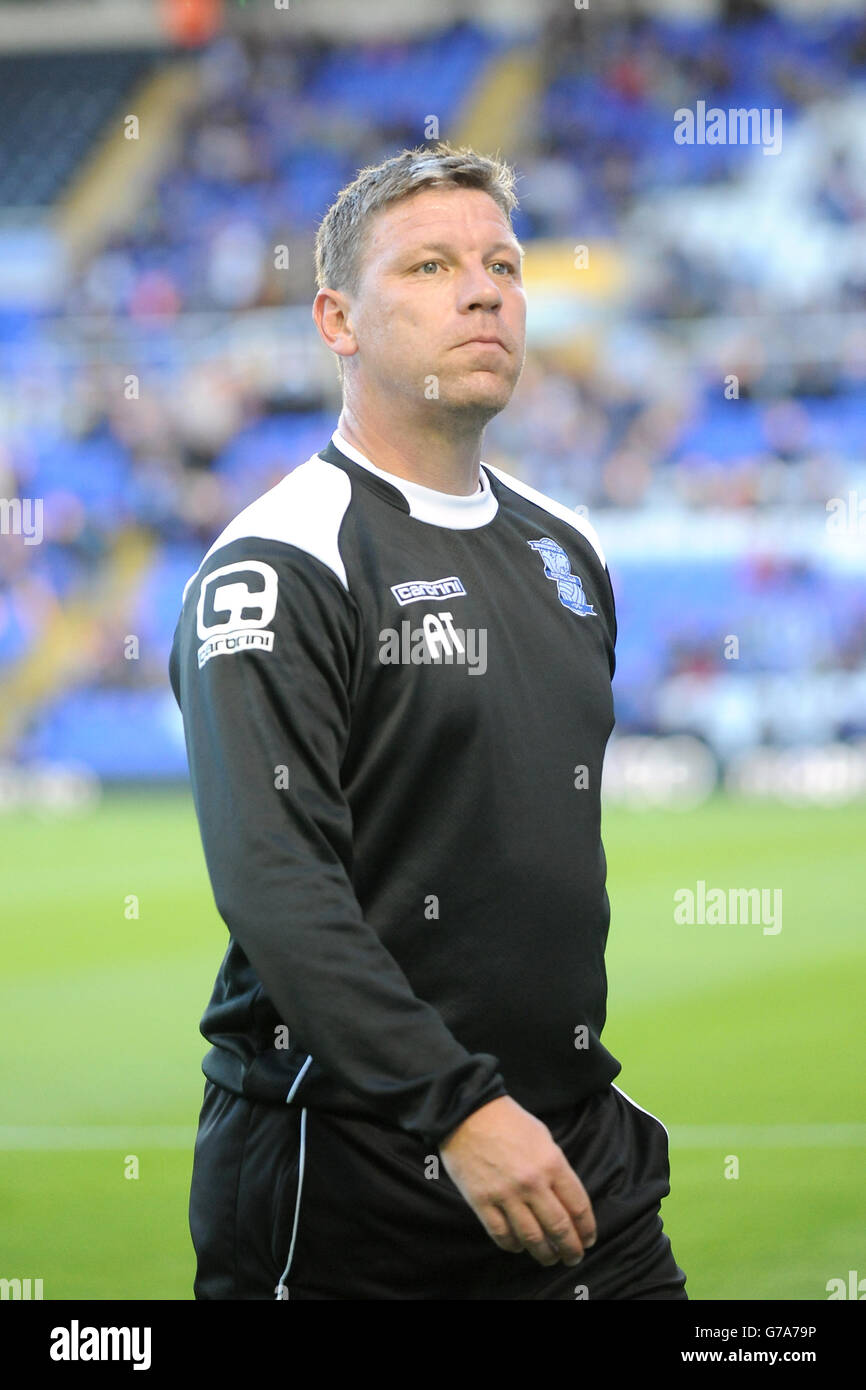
691, 396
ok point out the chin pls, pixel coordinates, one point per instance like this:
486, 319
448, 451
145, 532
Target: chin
492, 395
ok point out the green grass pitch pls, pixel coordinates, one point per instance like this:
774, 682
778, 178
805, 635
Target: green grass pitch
747, 1045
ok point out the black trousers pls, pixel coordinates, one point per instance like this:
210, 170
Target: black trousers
296, 1203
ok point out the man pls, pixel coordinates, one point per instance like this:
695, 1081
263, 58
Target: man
395, 674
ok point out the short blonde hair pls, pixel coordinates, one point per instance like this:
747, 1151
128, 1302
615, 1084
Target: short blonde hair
340, 239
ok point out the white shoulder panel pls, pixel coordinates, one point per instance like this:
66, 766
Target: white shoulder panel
306, 509
559, 509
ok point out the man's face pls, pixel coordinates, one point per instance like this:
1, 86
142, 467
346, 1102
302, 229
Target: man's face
440, 270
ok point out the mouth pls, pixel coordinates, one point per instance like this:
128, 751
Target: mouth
484, 342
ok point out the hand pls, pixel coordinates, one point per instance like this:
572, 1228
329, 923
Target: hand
519, 1183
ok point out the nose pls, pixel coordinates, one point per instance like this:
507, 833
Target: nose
479, 290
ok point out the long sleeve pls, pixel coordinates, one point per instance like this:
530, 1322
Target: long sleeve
265, 664
613, 623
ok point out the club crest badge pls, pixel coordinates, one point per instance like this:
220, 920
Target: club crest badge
558, 568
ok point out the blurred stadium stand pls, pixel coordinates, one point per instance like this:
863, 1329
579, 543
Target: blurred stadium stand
157, 370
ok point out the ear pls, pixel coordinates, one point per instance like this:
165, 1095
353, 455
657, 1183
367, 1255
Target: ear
331, 315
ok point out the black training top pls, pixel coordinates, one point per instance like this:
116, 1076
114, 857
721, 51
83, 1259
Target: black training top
396, 704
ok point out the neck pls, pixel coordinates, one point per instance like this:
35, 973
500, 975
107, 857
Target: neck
434, 453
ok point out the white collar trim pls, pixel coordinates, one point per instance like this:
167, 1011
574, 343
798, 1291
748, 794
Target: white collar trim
425, 503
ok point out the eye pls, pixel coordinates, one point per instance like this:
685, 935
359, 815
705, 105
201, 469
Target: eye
425, 264
507, 264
